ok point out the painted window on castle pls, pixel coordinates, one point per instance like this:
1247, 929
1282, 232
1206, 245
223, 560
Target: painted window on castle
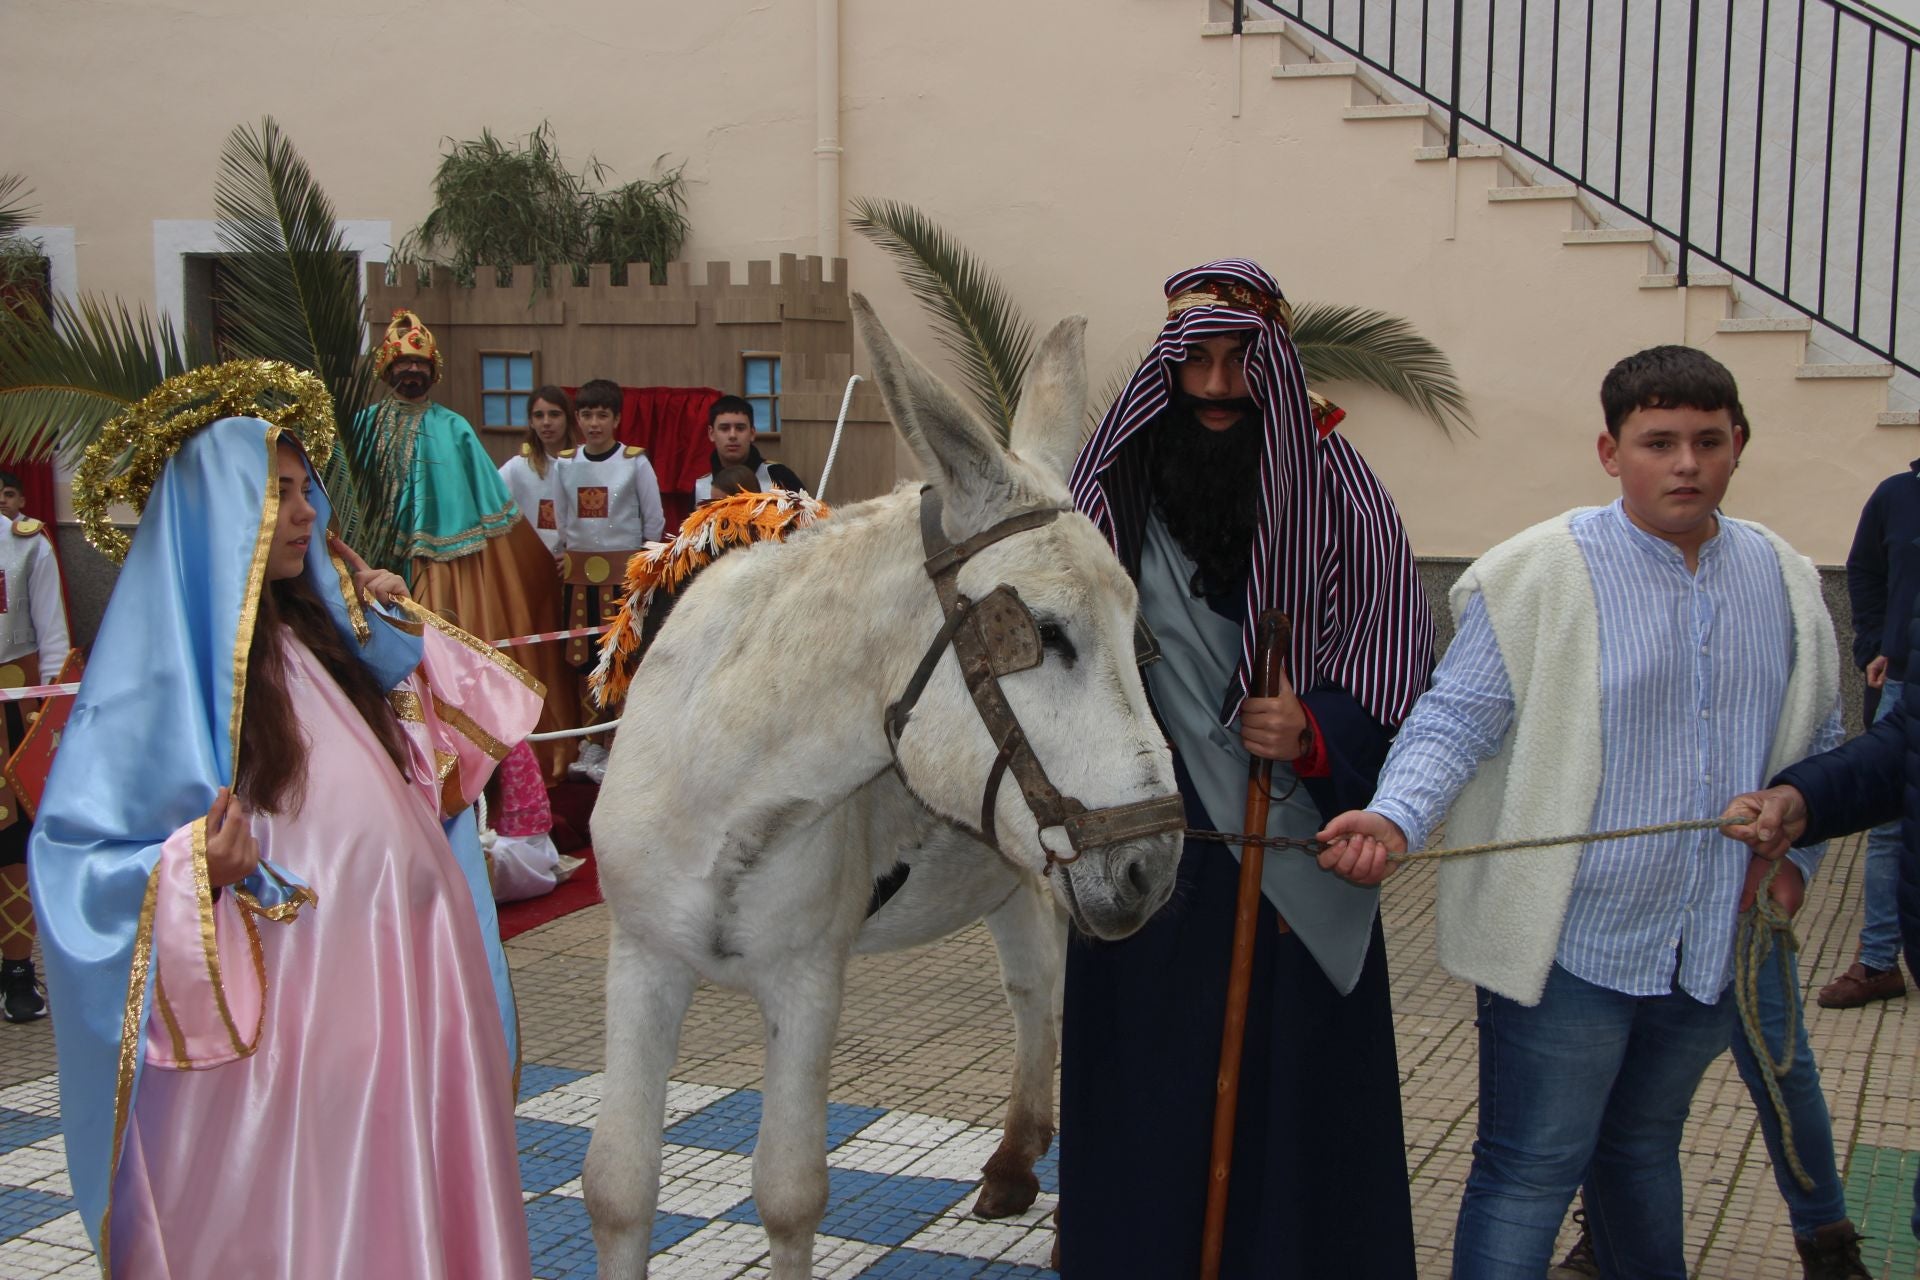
506, 380
760, 383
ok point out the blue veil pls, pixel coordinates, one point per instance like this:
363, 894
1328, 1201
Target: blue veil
152, 739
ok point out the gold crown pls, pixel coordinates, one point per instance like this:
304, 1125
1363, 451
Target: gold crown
407, 338
125, 460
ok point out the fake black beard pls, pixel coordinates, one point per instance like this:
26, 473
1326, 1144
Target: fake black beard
1206, 487
1192, 404
411, 385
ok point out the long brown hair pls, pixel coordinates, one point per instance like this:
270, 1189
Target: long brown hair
537, 457
271, 773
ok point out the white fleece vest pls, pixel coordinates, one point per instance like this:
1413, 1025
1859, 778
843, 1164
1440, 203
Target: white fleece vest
1499, 915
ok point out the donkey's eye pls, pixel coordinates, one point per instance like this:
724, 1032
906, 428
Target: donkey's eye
1054, 637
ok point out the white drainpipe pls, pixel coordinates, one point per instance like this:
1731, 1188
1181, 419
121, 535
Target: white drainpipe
826, 111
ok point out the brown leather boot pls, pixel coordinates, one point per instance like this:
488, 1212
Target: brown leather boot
1833, 1253
1860, 985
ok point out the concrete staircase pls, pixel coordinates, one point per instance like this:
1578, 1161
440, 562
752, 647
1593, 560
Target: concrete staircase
1763, 342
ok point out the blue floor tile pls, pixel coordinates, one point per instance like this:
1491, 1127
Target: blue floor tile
914, 1264
536, 1079
876, 1208
732, 1123
23, 1128
24, 1208
1047, 1169
562, 1238
550, 1153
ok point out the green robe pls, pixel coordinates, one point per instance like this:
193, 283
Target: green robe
443, 494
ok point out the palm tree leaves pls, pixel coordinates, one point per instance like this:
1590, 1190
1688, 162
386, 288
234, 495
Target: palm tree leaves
21, 261
64, 373
980, 326
1354, 344
293, 294
973, 316
294, 289
14, 209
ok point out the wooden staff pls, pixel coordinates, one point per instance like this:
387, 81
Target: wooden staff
1270, 643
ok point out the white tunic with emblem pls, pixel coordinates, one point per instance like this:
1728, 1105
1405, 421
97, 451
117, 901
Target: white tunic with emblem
537, 496
608, 504
33, 618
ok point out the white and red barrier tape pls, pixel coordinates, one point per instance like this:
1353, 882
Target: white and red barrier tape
539, 636
68, 690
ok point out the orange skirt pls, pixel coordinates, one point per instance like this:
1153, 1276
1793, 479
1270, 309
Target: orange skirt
510, 588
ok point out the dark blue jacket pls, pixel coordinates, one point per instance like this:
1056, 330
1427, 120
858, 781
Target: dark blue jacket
1883, 571
1872, 779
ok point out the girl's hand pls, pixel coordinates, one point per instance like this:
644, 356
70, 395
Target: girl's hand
371, 583
232, 852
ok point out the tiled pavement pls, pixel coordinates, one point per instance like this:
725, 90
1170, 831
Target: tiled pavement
919, 1079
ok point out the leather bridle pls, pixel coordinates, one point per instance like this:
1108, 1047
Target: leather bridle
996, 636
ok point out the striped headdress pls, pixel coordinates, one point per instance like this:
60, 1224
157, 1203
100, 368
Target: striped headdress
1329, 551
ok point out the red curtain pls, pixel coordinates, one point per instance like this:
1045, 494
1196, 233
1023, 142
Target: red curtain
671, 424
36, 479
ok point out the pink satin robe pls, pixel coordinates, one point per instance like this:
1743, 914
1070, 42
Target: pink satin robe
369, 1132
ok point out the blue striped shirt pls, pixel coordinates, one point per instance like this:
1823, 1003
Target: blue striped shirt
1693, 671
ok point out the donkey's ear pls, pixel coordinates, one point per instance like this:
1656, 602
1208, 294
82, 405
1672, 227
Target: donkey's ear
953, 446
1051, 420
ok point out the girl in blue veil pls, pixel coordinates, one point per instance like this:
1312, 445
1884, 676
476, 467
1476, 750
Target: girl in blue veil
308, 1070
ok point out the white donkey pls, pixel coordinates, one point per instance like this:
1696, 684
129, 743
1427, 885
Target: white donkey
802, 724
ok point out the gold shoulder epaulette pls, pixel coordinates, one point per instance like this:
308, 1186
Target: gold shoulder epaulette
566, 453
635, 450
27, 527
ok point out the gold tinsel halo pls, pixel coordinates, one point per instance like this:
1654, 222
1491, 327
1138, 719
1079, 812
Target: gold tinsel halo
125, 460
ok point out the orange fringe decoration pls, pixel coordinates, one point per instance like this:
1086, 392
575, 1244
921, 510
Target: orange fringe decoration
721, 525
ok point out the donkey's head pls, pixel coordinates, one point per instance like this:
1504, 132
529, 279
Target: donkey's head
1052, 719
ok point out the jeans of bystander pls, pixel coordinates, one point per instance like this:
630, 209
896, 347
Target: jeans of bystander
1880, 876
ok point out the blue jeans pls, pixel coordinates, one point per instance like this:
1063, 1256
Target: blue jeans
1826, 1203
1880, 881
1588, 1084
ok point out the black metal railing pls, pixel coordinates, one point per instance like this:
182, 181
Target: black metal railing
1768, 138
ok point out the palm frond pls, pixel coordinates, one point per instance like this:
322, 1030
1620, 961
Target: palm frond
1102, 400
63, 374
15, 212
973, 316
294, 295
294, 291
1356, 344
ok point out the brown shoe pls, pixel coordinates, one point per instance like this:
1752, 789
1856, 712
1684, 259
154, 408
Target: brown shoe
1833, 1254
1579, 1264
1860, 985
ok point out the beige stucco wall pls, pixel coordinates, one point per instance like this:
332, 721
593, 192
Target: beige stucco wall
1084, 151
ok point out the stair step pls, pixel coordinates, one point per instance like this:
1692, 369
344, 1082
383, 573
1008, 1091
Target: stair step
1468, 151
1901, 418
1767, 324
1308, 70
1387, 111
1552, 191
1608, 235
1844, 371
1697, 279
1251, 27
